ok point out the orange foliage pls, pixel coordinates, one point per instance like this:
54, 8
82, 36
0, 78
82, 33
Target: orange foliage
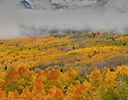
72, 73
58, 93
12, 79
16, 94
2, 95
29, 96
39, 74
53, 75
12, 73
50, 92
69, 72
3, 85
21, 70
46, 72
38, 86
78, 93
26, 90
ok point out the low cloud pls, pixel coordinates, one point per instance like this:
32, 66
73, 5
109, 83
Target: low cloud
16, 22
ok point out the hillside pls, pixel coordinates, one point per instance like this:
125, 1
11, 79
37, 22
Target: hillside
77, 65
75, 49
63, 50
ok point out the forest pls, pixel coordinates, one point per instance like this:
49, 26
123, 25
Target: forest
77, 65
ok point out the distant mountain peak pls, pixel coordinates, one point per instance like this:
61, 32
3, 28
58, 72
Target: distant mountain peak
25, 4
68, 4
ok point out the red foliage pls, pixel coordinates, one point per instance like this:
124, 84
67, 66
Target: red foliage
3, 85
53, 75
29, 96
1, 93
50, 91
79, 90
38, 86
82, 86
39, 74
69, 72
103, 80
26, 90
46, 71
13, 73
96, 73
58, 93
21, 70
16, 94
11, 80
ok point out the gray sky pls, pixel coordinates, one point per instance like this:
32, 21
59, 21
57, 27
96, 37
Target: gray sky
15, 22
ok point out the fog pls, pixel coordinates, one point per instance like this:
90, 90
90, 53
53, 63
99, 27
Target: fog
16, 22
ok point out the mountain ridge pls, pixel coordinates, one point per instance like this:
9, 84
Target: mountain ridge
67, 4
